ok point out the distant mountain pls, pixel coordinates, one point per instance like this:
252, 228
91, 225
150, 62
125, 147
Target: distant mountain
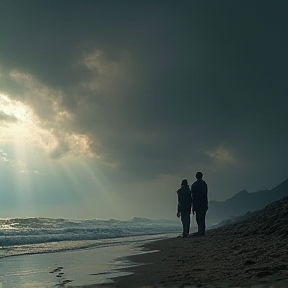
243, 202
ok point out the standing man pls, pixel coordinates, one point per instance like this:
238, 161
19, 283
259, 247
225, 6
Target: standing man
199, 192
184, 206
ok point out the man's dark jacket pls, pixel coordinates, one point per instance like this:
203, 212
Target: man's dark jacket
184, 199
199, 191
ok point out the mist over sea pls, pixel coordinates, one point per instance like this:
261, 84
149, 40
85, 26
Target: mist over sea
20, 236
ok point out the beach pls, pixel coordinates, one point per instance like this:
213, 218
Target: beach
249, 253
218, 259
213, 260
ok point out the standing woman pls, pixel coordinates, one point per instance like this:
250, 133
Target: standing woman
184, 206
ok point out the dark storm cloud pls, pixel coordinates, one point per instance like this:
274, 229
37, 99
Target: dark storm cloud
173, 82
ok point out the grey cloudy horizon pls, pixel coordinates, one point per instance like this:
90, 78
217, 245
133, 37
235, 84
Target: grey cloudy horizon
153, 91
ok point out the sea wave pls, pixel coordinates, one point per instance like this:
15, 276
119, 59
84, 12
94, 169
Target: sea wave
23, 231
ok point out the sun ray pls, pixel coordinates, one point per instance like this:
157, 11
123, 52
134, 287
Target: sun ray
72, 178
96, 184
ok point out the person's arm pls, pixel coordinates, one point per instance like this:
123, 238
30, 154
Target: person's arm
190, 201
206, 196
179, 201
193, 199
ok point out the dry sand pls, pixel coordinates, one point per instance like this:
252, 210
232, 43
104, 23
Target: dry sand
250, 253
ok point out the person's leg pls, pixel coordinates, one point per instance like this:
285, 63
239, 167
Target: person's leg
188, 223
202, 225
183, 223
198, 220
204, 221
185, 218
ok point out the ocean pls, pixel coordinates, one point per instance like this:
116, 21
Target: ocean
87, 251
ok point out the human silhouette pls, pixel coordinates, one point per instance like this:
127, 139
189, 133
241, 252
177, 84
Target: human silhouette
184, 206
199, 190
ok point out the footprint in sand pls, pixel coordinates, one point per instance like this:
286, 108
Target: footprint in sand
59, 268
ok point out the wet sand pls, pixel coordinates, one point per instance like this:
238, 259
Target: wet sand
78, 267
250, 253
75, 267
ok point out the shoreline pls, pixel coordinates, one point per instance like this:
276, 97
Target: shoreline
84, 266
213, 260
248, 253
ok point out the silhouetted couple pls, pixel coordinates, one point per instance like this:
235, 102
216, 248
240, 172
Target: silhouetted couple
196, 199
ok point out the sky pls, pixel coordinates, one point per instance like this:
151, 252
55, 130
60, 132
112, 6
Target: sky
105, 106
